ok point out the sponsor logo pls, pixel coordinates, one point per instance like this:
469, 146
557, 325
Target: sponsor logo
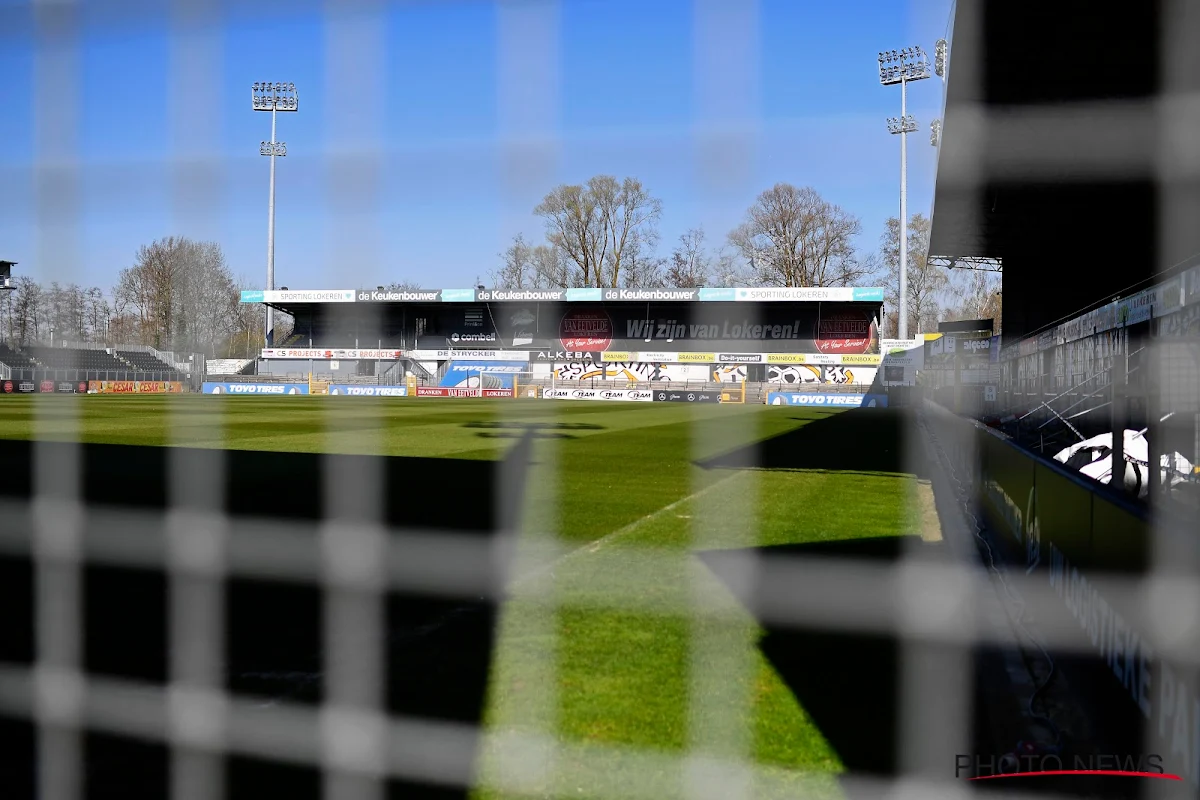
473, 368
617, 357
845, 332
852, 359
566, 355
669, 396
521, 294
389, 297
46, 386
975, 345
25, 386
804, 399
8, 387
711, 295
806, 293
368, 391
649, 294
586, 330
473, 337
697, 358
458, 295
740, 358
786, 358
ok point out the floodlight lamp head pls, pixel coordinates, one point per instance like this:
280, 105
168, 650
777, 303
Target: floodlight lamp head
940, 53
278, 96
935, 132
905, 124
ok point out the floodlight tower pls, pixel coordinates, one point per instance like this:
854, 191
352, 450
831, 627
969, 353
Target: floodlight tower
941, 52
900, 67
272, 97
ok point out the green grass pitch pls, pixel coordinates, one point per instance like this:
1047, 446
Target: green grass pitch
629, 491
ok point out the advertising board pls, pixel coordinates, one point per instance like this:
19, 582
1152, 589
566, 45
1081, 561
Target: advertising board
686, 328
732, 294
133, 387
443, 391
491, 374
332, 354
614, 395
686, 396
254, 388
827, 400
350, 390
1076, 537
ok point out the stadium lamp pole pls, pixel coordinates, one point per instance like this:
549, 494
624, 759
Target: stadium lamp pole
900, 67
273, 97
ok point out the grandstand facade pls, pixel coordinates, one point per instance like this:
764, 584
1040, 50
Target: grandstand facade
67, 368
814, 336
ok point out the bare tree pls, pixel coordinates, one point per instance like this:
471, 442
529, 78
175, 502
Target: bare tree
403, 286
976, 295
794, 237
542, 266
25, 310
179, 294
690, 264
601, 226
927, 284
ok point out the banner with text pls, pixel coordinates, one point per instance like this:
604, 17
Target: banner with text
134, 387
621, 395
352, 390
254, 388
827, 400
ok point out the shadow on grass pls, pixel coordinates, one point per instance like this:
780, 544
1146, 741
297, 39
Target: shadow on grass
436, 653
856, 440
517, 425
845, 681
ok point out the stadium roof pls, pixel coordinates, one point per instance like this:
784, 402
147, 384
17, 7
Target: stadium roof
1052, 156
744, 294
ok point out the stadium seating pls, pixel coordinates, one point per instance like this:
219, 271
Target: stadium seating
71, 358
15, 358
144, 361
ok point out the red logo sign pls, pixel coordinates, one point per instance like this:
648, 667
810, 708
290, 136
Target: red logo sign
845, 332
82, 387
8, 387
586, 330
47, 386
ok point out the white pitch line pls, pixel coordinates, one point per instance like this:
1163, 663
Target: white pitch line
609, 537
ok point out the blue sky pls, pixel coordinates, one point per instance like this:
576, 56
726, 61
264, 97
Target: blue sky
155, 118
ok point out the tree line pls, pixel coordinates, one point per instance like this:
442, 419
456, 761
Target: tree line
604, 233
178, 295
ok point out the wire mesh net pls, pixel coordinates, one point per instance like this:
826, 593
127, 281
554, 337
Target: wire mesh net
196, 622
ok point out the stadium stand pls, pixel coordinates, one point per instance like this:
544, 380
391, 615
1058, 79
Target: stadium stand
15, 358
143, 361
71, 358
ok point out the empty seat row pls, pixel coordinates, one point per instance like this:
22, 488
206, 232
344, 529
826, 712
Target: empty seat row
144, 361
15, 358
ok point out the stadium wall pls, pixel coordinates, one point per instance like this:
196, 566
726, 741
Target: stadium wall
1074, 537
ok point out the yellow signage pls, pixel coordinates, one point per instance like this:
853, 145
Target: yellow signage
868, 359
617, 357
697, 358
785, 358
